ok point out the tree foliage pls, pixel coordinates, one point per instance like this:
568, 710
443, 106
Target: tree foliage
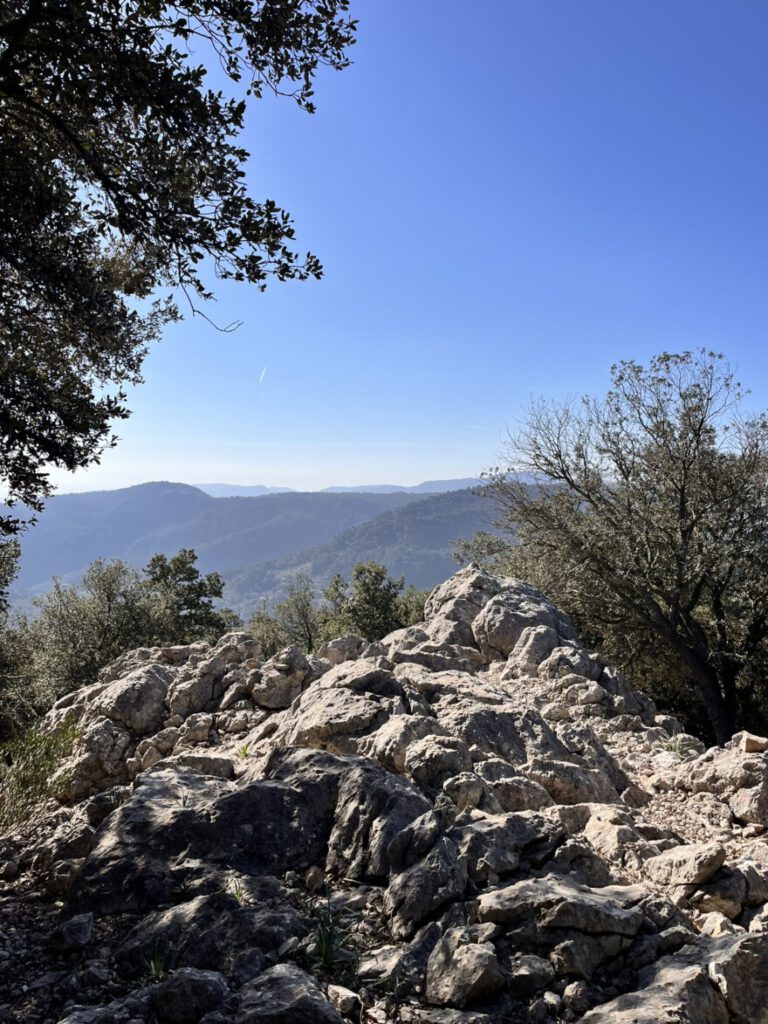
371, 604
123, 181
181, 599
650, 525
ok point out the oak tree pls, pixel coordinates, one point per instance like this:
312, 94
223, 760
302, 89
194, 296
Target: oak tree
649, 516
122, 185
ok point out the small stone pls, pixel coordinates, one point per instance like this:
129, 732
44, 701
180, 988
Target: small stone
288, 947
73, 934
751, 744
314, 879
717, 924
576, 997
545, 1008
344, 1000
529, 974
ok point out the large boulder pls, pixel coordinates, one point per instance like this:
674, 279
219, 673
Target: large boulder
137, 701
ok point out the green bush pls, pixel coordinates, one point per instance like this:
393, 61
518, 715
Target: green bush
28, 772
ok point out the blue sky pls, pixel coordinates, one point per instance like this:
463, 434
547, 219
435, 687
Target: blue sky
507, 197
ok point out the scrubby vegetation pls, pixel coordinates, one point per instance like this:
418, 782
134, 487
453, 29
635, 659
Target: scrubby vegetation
77, 630
28, 766
371, 604
649, 525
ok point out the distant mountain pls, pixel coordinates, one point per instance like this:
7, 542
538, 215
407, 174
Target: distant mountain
414, 541
134, 523
241, 490
427, 487
259, 490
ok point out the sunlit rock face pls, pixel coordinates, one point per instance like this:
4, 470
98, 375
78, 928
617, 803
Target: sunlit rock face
474, 820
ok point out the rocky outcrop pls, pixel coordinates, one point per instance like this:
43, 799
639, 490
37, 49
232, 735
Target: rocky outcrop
472, 821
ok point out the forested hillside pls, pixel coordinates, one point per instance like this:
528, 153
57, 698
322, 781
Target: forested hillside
415, 541
135, 523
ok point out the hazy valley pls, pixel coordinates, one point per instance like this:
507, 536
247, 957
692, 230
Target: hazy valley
258, 543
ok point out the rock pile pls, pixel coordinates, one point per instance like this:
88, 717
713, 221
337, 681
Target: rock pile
472, 821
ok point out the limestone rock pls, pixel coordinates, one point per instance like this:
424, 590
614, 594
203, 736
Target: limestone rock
187, 995
500, 624
569, 783
285, 995
452, 607
472, 821
73, 934
280, 680
416, 893
435, 758
750, 743
669, 994
137, 701
98, 760
686, 865
463, 968
343, 648
739, 967
558, 903
533, 646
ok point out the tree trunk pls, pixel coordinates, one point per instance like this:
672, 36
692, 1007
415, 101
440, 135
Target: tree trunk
721, 713
720, 710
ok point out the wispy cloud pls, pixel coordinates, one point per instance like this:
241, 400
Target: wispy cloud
262, 375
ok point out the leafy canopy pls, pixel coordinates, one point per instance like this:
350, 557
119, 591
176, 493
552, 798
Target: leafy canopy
371, 604
122, 178
650, 524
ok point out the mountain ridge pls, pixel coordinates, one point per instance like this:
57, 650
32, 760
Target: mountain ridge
136, 522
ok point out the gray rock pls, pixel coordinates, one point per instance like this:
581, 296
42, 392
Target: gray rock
463, 968
187, 995
136, 701
214, 932
372, 809
690, 864
669, 994
280, 680
400, 969
739, 968
343, 648
517, 606
558, 903
73, 934
416, 893
529, 974
284, 995
433, 759
569, 783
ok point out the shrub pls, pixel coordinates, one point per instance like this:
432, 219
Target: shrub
28, 772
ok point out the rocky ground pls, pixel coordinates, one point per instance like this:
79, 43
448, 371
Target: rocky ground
473, 821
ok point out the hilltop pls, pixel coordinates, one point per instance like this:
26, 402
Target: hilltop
473, 821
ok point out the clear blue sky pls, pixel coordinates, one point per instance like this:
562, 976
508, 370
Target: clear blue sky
507, 197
